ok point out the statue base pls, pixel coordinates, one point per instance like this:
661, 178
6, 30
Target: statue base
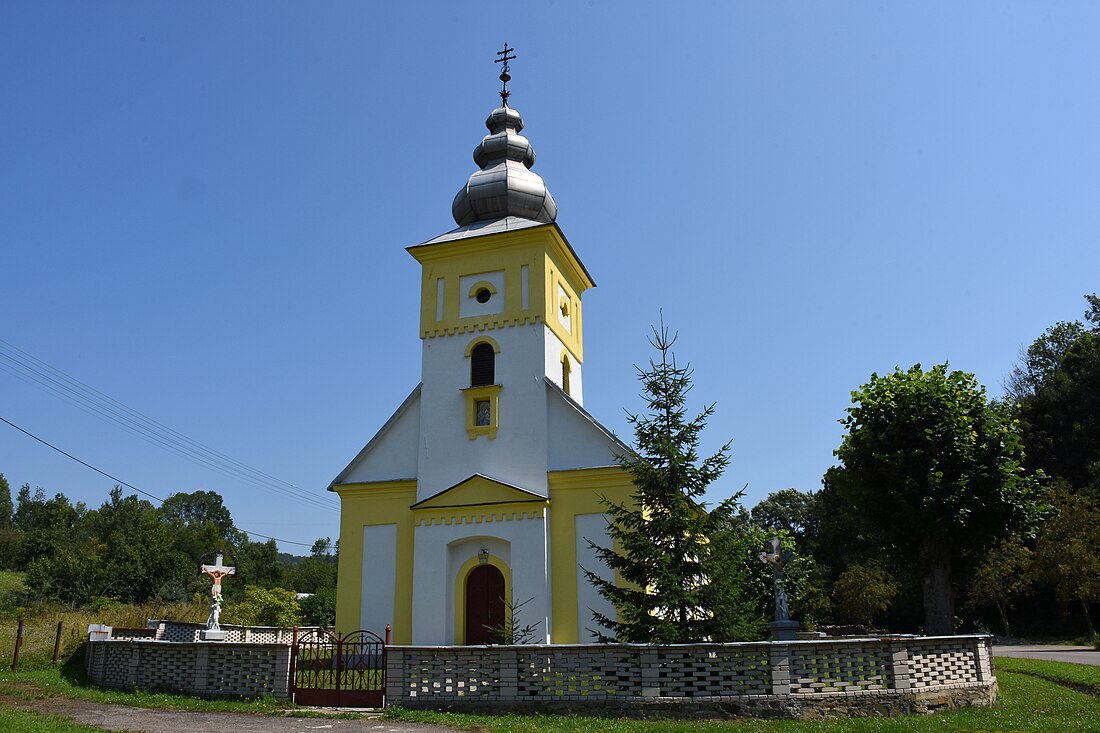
784, 630
213, 635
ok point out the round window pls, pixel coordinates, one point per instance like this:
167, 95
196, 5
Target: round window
483, 295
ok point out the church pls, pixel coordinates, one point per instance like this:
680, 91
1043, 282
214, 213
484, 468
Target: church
482, 491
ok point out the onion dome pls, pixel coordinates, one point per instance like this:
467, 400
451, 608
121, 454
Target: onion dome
505, 185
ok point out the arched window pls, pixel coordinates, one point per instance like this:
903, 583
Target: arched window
565, 369
482, 365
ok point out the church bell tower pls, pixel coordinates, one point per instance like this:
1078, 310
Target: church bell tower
488, 483
500, 313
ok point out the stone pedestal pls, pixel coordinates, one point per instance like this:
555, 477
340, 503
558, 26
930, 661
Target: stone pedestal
784, 630
99, 632
219, 635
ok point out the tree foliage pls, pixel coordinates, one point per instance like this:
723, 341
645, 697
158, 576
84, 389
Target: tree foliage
1067, 553
130, 551
1004, 576
863, 592
677, 587
1057, 392
263, 607
932, 471
792, 511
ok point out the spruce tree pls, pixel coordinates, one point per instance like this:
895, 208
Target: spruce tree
677, 587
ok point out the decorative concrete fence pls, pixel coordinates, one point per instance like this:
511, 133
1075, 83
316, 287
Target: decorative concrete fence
798, 679
181, 631
220, 669
802, 679
253, 661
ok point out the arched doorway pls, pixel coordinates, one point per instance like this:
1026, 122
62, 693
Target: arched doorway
484, 604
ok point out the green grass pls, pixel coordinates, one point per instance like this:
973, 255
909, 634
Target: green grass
1032, 701
11, 581
40, 625
70, 681
19, 721
1079, 676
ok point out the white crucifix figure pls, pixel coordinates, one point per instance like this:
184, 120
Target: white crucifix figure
217, 571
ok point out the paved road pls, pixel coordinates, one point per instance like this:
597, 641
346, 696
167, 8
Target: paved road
1075, 654
124, 718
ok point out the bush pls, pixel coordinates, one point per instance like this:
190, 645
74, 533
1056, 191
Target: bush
263, 607
319, 609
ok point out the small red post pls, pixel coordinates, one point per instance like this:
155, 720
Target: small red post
57, 643
387, 634
293, 666
18, 643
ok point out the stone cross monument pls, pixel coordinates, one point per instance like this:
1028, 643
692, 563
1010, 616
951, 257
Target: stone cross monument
217, 571
783, 628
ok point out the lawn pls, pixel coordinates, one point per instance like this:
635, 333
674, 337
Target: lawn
1036, 697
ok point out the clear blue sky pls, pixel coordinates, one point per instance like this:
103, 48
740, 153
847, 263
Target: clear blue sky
204, 209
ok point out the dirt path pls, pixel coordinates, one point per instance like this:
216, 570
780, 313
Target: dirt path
144, 720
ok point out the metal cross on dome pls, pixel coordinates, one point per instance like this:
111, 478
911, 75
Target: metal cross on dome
504, 75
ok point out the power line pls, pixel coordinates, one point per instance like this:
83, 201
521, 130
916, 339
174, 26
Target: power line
31, 370
127, 485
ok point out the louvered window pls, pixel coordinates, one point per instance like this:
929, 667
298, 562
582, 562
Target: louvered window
482, 365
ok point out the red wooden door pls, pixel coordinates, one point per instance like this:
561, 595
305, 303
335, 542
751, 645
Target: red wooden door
484, 604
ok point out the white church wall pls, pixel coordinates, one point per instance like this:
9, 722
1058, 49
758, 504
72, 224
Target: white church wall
393, 455
591, 527
552, 350
442, 550
517, 455
574, 441
376, 603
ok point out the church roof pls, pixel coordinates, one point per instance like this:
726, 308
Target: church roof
484, 228
505, 185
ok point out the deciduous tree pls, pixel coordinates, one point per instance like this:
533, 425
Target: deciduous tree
863, 592
1004, 576
1059, 408
1068, 550
933, 472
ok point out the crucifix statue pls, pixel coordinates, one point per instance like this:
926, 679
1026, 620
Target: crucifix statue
777, 559
217, 571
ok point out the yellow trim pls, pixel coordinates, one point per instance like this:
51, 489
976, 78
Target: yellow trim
550, 262
478, 491
482, 340
574, 493
370, 504
460, 590
479, 515
480, 284
478, 394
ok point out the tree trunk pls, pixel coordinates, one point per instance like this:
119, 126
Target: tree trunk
1002, 608
939, 601
1088, 616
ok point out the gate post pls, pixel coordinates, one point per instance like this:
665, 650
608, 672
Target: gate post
339, 661
292, 683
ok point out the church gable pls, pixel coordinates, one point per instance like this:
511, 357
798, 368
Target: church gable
479, 490
391, 454
577, 440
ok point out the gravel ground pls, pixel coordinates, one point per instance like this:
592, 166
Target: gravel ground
143, 720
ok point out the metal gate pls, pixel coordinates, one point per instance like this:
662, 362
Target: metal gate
326, 669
